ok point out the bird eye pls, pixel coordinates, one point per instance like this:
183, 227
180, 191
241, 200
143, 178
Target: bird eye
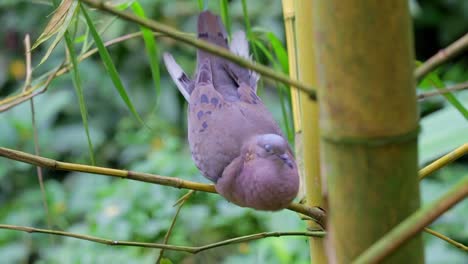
268, 148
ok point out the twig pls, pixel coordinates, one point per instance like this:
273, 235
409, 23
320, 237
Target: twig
192, 250
180, 203
27, 83
111, 42
447, 239
184, 198
27, 90
40, 178
317, 214
456, 87
27, 54
444, 160
158, 27
442, 56
413, 224
12, 101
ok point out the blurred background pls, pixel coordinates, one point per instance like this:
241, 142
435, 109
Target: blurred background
121, 209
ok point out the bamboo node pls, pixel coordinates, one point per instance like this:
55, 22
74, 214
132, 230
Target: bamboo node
374, 141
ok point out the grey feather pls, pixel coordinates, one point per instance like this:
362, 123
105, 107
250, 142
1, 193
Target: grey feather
180, 78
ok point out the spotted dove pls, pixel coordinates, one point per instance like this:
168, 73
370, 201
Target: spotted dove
234, 140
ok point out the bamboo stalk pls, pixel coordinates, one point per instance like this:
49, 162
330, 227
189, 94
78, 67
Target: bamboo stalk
309, 119
368, 122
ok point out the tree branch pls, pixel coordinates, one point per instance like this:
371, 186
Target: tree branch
442, 56
413, 224
456, 87
192, 250
315, 213
216, 50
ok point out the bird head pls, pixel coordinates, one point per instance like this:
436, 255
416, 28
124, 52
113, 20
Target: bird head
275, 147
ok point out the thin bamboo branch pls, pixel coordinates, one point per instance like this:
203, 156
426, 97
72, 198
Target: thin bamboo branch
316, 213
12, 101
442, 56
182, 200
27, 90
27, 83
192, 250
447, 239
158, 27
111, 42
453, 88
413, 224
443, 161
27, 55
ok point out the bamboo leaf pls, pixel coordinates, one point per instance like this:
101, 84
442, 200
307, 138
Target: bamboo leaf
200, 4
279, 50
109, 65
281, 88
267, 54
56, 21
224, 6
124, 5
439, 84
151, 50
251, 38
432, 79
76, 79
57, 25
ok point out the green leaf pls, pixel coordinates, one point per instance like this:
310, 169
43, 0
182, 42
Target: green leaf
76, 79
151, 50
279, 50
432, 79
165, 261
124, 5
57, 25
267, 53
251, 38
109, 65
437, 82
224, 6
283, 92
200, 4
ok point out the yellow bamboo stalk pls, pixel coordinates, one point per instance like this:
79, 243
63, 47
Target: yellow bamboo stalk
289, 19
306, 112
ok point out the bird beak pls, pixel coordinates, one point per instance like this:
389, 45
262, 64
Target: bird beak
284, 157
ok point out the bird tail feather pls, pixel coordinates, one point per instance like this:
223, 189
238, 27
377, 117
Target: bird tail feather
210, 29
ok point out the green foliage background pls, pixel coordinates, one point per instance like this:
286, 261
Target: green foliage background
126, 210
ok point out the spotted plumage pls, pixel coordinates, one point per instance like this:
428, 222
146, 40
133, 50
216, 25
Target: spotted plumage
234, 140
